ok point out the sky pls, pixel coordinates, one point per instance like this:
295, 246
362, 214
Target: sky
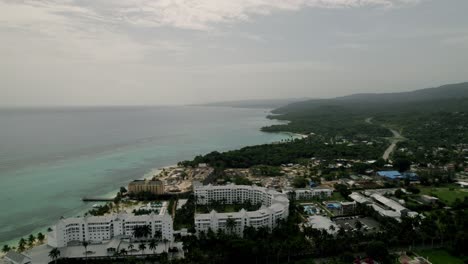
159, 52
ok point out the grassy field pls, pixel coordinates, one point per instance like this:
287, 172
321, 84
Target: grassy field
336, 196
440, 256
446, 194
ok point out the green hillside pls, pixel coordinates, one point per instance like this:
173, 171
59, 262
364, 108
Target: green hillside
344, 116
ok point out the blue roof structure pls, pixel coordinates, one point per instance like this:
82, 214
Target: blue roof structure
410, 175
393, 175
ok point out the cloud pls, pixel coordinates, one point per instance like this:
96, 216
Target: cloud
202, 14
183, 14
103, 30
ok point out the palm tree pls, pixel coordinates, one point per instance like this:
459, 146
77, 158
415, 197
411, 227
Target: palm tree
85, 245
31, 240
153, 245
21, 244
230, 224
123, 252
40, 237
6, 248
54, 254
145, 231
130, 247
157, 235
142, 247
137, 231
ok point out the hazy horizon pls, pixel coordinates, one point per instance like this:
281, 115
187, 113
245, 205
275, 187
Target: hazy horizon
164, 52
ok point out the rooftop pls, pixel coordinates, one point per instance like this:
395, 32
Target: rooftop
390, 174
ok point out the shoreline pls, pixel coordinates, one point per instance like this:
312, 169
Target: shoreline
149, 174
14, 242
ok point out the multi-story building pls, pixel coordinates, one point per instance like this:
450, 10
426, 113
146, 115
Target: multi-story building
309, 193
275, 207
96, 229
348, 208
152, 186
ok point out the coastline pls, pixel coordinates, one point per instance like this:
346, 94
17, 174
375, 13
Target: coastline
14, 242
149, 173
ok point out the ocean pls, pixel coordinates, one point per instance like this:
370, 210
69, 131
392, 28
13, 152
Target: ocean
51, 158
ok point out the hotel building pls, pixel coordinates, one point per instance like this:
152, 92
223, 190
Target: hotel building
275, 207
152, 186
308, 194
97, 229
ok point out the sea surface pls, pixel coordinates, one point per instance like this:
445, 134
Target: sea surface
51, 158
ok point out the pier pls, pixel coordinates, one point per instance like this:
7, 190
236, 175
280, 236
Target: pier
97, 199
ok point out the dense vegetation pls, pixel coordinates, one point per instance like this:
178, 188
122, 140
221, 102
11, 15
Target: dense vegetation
344, 116
283, 153
427, 118
436, 138
330, 122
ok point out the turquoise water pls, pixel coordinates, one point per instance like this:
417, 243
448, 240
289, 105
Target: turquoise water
51, 158
310, 210
333, 205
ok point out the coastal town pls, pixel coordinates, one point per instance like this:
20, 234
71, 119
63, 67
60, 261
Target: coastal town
140, 221
358, 191
233, 132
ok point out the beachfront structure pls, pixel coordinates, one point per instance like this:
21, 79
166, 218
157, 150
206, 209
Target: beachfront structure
152, 186
309, 193
97, 229
275, 207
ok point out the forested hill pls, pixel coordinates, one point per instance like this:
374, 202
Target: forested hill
344, 116
429, 119
446, 97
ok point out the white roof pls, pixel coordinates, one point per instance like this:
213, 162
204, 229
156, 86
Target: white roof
387, 202
358, 198
384, 212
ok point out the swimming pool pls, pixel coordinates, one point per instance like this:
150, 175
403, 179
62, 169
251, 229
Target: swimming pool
333, 205
310, 210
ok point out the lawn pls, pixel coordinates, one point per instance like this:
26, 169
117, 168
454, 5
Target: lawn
439, 256
446, 194
336, 196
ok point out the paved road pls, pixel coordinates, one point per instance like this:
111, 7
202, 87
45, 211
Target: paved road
397, 137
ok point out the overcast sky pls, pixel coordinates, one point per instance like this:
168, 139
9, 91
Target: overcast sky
134, 52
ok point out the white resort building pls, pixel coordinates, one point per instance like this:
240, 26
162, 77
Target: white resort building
275, 206
97, 229
309, 193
